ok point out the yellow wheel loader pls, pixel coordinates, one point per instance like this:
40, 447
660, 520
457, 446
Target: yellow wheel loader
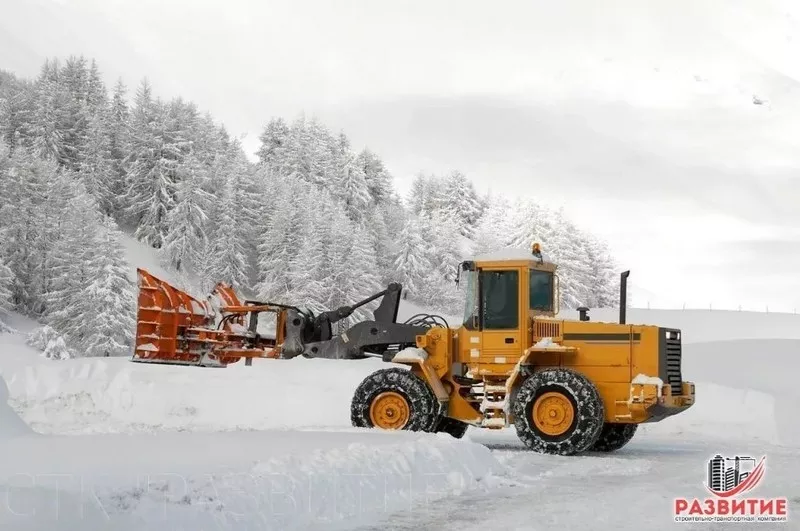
566, 386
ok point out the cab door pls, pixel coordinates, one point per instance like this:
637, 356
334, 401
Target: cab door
501, 317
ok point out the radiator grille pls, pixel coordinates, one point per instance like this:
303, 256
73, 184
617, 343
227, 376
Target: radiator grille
673, 360
550, 329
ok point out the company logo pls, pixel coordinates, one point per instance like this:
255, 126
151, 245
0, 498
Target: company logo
728, 479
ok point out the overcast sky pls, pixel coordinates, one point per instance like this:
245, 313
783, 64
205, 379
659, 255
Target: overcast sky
638, 117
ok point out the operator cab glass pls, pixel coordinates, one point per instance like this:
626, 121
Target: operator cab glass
491, 300
471, 305
540, 290
500, 299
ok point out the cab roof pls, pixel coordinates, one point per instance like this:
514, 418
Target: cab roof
515, 255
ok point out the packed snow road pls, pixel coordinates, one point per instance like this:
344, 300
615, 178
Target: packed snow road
634, 488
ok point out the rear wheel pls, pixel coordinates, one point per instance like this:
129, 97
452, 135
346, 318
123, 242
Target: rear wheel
454, 427
614, 436
394, 399
558, 411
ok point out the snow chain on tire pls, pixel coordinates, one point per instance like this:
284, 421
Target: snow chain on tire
570, 387
424, 408
614, 436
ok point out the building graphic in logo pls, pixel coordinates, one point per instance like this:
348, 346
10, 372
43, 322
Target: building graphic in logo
728, 479
730, 476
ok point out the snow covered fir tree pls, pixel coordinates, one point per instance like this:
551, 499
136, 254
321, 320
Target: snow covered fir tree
314, 221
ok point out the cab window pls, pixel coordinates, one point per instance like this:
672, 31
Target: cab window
500, 299
541, 290
471, 304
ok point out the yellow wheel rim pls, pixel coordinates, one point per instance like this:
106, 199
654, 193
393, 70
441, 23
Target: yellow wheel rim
389, 411
553, 414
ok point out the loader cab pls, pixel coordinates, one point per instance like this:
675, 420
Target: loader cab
503, 292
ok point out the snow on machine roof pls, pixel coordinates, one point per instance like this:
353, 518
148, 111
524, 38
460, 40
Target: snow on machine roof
511, 253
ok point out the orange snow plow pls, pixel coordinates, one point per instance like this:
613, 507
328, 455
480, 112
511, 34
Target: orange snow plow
173, 327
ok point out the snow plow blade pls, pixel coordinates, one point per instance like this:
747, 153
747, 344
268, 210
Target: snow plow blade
172, 327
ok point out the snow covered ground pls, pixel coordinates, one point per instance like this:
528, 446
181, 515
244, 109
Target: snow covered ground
113, 444
107, 444
287, 459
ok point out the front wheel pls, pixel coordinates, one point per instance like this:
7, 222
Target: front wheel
394, 399
558, 411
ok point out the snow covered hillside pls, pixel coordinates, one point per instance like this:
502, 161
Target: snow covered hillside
315, 222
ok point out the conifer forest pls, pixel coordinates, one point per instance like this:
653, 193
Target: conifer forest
315, 221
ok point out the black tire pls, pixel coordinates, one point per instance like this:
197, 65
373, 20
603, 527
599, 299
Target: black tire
421, 402
587, 411
614, 436
454, 427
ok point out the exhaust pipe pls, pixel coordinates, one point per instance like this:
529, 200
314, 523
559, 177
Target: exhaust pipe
623, 295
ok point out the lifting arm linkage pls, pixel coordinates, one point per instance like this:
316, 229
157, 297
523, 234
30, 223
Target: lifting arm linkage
386, 311
377, 334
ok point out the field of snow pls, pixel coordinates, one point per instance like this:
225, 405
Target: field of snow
110, 444
262, 447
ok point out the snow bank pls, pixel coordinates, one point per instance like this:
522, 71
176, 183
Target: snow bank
736, 397
11, 425
766, 366
746, 390
298, 480
113, 395
361, 480
724, 413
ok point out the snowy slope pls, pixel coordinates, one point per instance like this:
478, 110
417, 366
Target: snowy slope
141, 255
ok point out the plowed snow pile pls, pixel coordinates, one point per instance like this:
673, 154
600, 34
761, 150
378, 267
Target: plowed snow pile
726, 413
118, 396
243, 479
252, 480
259, 480
11, 425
